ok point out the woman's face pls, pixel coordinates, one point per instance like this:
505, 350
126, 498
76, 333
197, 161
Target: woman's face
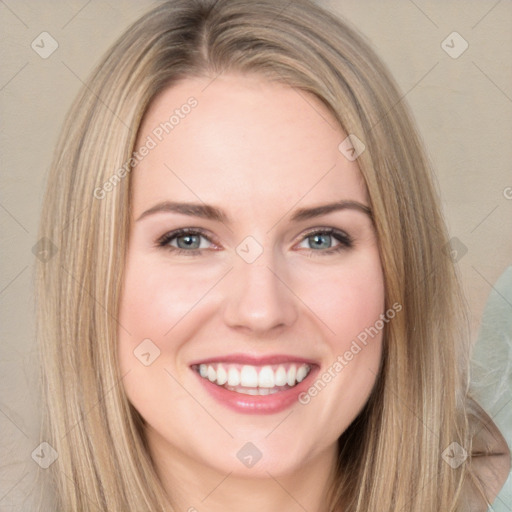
251, 341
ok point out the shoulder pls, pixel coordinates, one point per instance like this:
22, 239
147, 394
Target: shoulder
489, 463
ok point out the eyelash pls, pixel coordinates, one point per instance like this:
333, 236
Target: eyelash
345, 241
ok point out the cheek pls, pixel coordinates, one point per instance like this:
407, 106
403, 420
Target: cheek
153, 303
351, 304
153, 317
156, 298
348, 299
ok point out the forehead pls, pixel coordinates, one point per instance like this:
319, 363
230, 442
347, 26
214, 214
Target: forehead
244, 141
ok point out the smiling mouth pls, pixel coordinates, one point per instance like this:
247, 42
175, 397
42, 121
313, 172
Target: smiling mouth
252, 379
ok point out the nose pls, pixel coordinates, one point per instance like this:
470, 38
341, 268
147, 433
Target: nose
258, 299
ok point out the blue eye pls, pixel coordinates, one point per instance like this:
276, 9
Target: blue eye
188, 241
320, 241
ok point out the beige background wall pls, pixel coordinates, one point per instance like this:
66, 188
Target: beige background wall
463, 107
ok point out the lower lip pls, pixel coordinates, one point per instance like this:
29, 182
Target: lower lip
257, 404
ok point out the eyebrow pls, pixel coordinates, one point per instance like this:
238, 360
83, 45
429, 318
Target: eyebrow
213, 213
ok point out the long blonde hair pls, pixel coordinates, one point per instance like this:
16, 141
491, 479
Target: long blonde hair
391, 456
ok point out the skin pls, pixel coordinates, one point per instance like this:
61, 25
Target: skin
259, 151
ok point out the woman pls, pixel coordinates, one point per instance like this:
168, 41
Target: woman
253, 305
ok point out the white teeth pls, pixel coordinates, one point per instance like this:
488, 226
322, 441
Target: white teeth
301, 373
222, 376
292, 372
247, 378
280, 377
233, 377
266, 377
212, 374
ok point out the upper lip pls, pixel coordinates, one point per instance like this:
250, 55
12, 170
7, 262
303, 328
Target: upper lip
255, 360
